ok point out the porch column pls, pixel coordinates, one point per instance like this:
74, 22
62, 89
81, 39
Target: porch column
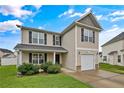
54, 55
20, 57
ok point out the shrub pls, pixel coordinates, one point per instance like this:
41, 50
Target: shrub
28, 69
45, 66
53, 69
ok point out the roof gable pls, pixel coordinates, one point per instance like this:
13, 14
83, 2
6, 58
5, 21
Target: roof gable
115, 39
90, 20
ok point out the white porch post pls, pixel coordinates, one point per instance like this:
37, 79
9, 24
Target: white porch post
20, 57
54, 55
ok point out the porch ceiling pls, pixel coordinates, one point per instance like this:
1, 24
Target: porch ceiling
43, 48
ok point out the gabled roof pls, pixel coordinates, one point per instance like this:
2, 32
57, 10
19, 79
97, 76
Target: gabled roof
70, 26
93, 18
115, 39
5, 50
36, 29
38, 48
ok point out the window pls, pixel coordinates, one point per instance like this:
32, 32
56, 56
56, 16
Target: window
41, 38
35, 37
38, 38
104, 58
119, 58
87, 35
37, 58
90, 36
57, 40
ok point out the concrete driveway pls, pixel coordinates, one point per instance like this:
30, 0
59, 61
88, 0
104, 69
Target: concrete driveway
99, 78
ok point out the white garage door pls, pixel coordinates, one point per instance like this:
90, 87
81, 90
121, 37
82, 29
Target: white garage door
87, 62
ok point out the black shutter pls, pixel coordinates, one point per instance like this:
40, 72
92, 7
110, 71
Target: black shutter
82, 34
45, 38
53, 39
45, 55
93, 37
60, 41
30, 37
30, 57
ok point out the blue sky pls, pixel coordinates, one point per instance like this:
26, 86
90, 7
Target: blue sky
56, 18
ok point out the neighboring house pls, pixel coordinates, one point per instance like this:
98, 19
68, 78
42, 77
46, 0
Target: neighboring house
4, 52
9, 59
75, 48
113, 50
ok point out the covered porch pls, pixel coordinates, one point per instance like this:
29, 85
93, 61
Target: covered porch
37, 54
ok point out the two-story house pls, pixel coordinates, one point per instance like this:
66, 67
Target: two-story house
75, 48
113, 50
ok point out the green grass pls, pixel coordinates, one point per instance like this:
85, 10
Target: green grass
112, 68
8, 79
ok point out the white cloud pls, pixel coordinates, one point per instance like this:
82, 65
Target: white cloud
88, 10
117, 13
117, 18
16, 11
72, 13
99, 17
68, 12
40, 27
9, 25
37, 6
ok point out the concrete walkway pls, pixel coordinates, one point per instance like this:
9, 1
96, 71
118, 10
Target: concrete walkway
99, 78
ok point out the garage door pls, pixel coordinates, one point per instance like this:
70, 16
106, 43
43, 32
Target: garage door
87, 62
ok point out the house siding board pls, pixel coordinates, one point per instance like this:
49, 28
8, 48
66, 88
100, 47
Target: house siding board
68, 42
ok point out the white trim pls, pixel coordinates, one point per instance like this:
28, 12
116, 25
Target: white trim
54, 55
75, 46
87, 49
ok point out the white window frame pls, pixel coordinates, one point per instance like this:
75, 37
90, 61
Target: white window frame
38, 57
57, 40
88, 31
38, 38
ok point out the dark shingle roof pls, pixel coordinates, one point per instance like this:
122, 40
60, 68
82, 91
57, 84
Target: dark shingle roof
115, 39
5, 50
39, 48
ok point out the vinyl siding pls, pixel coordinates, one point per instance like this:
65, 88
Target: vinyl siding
68, 42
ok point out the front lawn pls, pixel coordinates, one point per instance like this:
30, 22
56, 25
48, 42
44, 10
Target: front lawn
8, 79
112, 68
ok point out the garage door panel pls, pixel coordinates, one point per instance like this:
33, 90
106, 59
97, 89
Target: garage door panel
87, 62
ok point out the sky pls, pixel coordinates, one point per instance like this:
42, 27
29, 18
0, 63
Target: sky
56, 18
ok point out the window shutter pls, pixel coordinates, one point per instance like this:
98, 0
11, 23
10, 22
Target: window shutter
93, 37
45, 38
30, 37
53, 39
30, 57
82, 34
45, 57
60, 41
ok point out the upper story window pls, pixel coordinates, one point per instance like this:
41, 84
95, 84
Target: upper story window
38, 38
87, 35
56, 40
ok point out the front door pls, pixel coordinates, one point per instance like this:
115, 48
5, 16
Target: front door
57, 59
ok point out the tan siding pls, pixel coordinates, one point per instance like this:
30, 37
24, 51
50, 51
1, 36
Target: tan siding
49, 39
25, 36
81, 44
68, 42
25, 57
87, 21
